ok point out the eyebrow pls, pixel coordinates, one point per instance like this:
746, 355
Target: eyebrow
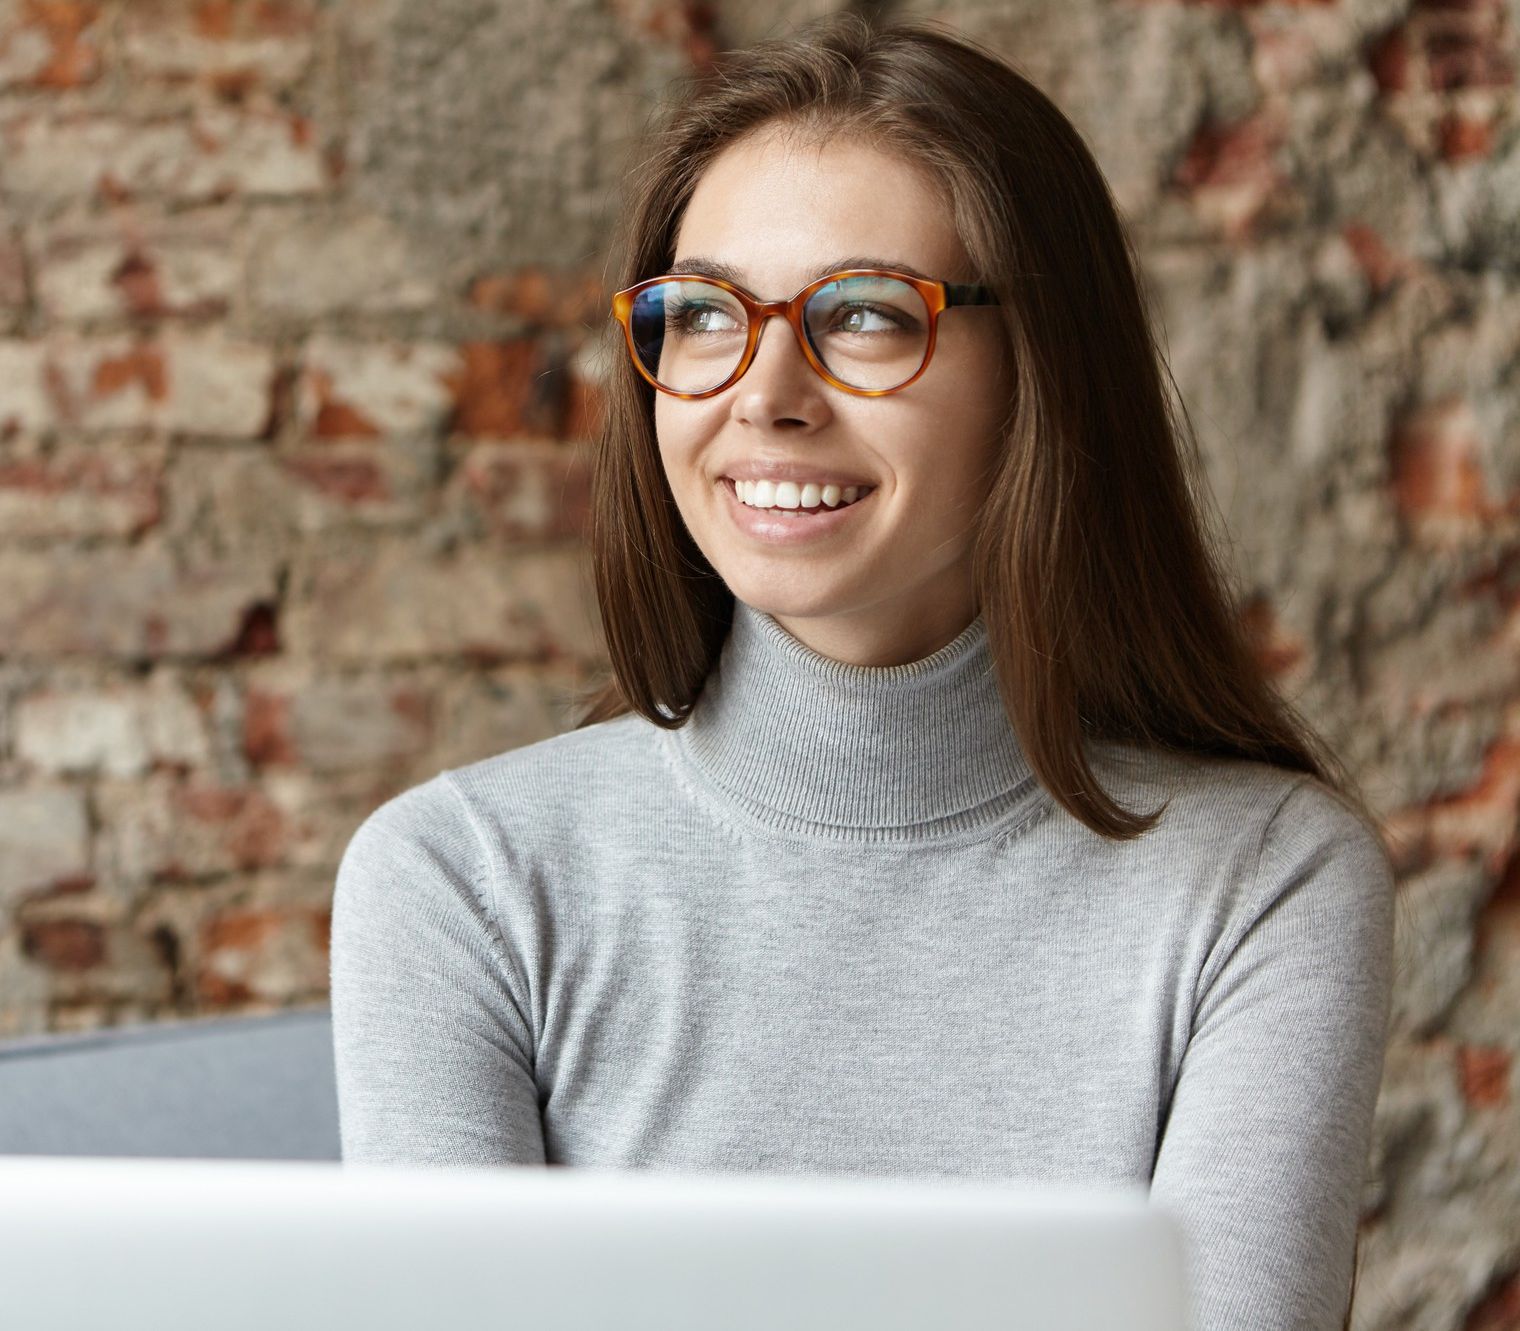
698, 263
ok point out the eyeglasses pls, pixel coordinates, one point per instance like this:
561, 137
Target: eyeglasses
867, 331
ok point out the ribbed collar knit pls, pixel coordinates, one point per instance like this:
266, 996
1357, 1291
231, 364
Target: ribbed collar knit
811, 745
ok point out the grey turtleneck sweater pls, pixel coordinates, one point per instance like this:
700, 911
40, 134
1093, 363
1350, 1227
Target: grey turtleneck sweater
834, 925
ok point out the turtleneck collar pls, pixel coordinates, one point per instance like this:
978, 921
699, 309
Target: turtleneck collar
822, 748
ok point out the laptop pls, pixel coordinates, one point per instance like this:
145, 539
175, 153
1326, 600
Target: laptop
245, 1245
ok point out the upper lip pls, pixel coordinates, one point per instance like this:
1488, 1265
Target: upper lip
800, 472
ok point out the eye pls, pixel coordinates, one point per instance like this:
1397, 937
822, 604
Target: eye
853, 317
686, 317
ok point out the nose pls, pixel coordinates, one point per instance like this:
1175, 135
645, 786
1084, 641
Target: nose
780, 387
779, 365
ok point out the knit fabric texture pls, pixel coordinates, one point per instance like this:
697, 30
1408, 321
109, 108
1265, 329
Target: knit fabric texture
833, 924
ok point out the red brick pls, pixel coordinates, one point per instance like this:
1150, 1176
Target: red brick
79, 492
170, 828
1499, 1310
1230, 171
141, 364
505, 390
357, 390
1485, 1072
138, 602
258, 633
1380, 265
338, 725
334, 418
1389, 60
588, 371
262, 953
1444, 48
1505, 898
1468, 55
13, 284
68, 945
219, 152
1476, 822
182, 382
338, 483
321, 931
266, 729
554, 298
1448, 72
1437, 474
70, 885
688, 25
52, 44
183, 267
250, 826
351, 479
1461, 138
1280, 653
525, 491
231, 46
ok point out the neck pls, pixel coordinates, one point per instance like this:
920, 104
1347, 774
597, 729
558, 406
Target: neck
824, 748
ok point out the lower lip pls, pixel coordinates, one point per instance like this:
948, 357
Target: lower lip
778, 529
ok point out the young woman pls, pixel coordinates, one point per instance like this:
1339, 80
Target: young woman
937, 818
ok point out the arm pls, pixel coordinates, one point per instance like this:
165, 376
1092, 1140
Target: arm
432, 1039
1263, 1155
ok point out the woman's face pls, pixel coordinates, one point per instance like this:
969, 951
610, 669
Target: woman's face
889, 580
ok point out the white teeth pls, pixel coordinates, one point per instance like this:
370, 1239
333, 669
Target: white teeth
787, 494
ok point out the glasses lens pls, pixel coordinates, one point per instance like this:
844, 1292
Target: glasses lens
689, 334
869, 332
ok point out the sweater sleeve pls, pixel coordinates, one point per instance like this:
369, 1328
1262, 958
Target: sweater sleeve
1263, 1155
432, 1038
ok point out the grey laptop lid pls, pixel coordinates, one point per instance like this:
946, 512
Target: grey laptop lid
173, 1245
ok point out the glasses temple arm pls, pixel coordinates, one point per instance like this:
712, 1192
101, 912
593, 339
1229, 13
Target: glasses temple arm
960, 293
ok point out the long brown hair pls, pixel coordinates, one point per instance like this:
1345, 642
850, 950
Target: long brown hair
1107, 615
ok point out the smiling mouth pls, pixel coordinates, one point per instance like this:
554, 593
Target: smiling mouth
864, 492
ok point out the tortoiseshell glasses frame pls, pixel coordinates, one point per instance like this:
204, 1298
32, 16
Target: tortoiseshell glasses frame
937, 296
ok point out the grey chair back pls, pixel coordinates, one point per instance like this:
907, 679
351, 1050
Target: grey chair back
255, 1088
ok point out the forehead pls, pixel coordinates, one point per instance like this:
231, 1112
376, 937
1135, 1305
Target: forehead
782, 211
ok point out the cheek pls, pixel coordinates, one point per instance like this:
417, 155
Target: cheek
675, 451
664, 430
681, 434
970, 421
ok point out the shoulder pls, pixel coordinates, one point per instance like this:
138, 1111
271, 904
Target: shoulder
1228, 798
605, 746
1307, 865
504, 834
539, 808
425, 826
565, 774
1317, 847
1273, 873
449, 813
1251, 830
1206, 803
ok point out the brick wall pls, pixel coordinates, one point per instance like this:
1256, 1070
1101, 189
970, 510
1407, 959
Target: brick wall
299, 306
292, 484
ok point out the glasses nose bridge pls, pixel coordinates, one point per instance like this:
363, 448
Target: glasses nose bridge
763, 309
